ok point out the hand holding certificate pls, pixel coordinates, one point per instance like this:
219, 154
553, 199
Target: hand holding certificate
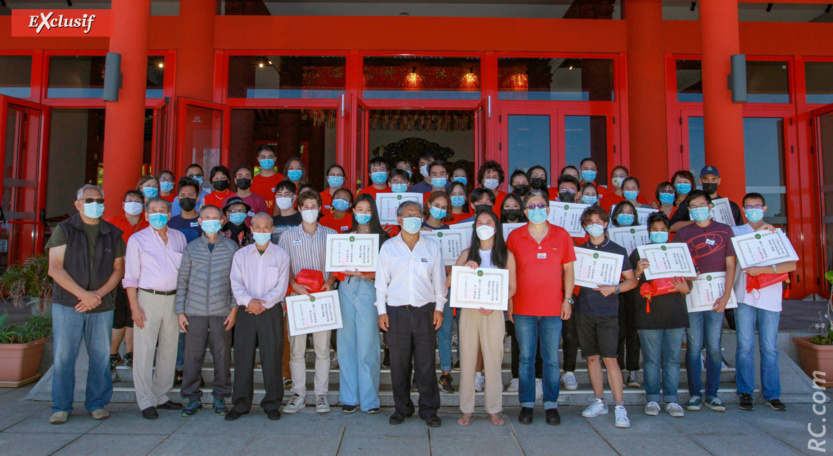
594, 268
452, 242
567, 216
763, 248
485, 288
667, 260
352, 252
388, 203
629, 237
314, 313
706, 290
722, 211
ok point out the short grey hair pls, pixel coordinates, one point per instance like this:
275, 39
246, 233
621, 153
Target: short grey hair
406, 205
534, 193
210, 206
262, 215
86, 187
157, 199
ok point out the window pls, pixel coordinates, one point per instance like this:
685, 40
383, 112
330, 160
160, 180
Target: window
279, 76
689, 81
819, 83
16, 77
444, 78
767, 82
784, 12
763, 141
560, 79
528, 142
82, 76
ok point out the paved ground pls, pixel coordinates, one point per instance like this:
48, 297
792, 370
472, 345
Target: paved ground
26, 431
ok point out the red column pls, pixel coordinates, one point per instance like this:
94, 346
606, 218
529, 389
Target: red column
125, 119
195, 56
646, 94
723, 119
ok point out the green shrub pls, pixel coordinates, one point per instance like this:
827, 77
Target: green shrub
35, 328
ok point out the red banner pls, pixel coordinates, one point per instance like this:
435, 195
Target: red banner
62, 22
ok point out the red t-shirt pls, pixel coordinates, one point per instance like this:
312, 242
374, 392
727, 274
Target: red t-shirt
499, 197
373, 191
326, 201
126, 228
216, 198
341, 225
170, 198
265, 187
457, 218
540, 290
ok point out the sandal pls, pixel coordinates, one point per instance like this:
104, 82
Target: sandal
464, 420
497, 420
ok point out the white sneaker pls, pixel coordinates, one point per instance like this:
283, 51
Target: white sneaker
674, 409
58, 417
479, 381
322, 406
512, 387
539, 389
569, 381
597, 407
652, 408
622, 420
294, 404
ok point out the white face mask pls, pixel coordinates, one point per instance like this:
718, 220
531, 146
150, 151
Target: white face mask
491, 184
309, 216
284, 203
133, 208
485, 232
423, 170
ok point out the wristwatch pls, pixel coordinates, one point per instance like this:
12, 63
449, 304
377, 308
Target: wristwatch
617, 290
774, 269
570, 301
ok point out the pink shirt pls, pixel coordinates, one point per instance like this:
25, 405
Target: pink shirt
150, 263
256, 276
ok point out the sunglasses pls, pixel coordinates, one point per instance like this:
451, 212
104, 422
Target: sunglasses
92, 200
539, 206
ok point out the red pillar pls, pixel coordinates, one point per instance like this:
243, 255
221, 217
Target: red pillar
723, 120
125, 119
646, 94
195, 56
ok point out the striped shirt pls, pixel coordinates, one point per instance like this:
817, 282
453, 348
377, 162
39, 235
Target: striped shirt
305, 251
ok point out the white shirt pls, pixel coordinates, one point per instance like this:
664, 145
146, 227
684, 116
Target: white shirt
260, 276
410, 277
767, 298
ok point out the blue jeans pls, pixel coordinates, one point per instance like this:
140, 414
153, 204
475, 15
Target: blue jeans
746, 318
359, 350
444, 338
69, 328
710, 325
180, 352
528, 330
661, 350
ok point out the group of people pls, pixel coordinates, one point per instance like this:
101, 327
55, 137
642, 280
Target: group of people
189, 266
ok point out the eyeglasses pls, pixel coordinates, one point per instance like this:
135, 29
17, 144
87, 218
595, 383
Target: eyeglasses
566, 190
237, 211
759, 207
92, 200
539, 206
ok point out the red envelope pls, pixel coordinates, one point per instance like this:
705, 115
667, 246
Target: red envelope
312, 279
656, 287
764, 280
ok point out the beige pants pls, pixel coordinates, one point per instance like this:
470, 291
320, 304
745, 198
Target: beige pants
481, 332
298, 363
162, 327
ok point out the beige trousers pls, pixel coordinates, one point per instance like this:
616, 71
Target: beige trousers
298, 363
481, 332
161, 327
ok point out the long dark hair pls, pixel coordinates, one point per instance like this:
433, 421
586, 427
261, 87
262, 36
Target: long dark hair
375, 226
522, 218
619, 209
499, 250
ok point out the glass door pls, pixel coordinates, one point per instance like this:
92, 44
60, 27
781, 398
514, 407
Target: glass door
482, 114
693, 142
528, 139
162, 158
23, 145
584, 134
202, 134
362, 122
822, 121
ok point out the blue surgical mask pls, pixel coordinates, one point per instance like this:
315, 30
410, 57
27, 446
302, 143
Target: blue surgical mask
341, 204
410, 174
587, 199
294, 175
458, 200
754, 215
412, 224
363, 219
210, 226
150, 192
158, 220
93, 210
399, 188
198, 179
666, 198
166, 186
460, 179
439, 182
262, 238
700, 214
335, 181
624, 219
683, 188
631, 195
537, 215
659, 237
595, 230
588, 175
438, 213
237, 217
267, 163
379, 177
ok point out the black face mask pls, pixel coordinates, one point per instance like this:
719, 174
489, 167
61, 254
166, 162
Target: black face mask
243, 183
482, 207
537, 183
521, 190
567, 197
710, 188
220, 184
512, 214
187, 204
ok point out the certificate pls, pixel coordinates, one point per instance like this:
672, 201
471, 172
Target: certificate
352, 252
452, 242
629, 237
722, 211
388, 203
314, 313
479, 288
462, 226
642, 214
763, 248
705, 291
509, 227
567, 216
667, 260
594, 268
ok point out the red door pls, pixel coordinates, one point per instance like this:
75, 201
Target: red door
162, 148
202, 134
822, 122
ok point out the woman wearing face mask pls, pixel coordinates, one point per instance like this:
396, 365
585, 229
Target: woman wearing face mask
339, 219
490, 176
243, 182
624, 214
295, 171
481, 330
665, 194
220, 178
235, 212
148, 185
459, 175
683, 182
519, 183
512, 210
335, 180
435, 211
630, 190
459, 202
588, 194
166, 186
539, 180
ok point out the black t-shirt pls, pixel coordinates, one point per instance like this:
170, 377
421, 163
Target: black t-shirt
682, 215
668, 311
592, 302
282, 223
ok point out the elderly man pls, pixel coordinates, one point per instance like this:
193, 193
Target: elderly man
206, 310
151, 268
259, 277
86, 262
410, 293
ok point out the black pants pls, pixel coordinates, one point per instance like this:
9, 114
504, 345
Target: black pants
202, 332
569, 336
122, 317
250, 332
628, 348
516, 353
412, 341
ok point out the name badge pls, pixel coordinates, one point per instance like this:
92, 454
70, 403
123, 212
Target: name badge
542, 256
195, 224
251, 214
296, 242
344, 228
710, 241
327, 207
424, 260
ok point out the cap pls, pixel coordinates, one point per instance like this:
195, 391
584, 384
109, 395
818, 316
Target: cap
235, 200
709, 170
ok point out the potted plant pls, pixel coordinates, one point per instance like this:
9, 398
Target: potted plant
29, 283
21, 348
816, 353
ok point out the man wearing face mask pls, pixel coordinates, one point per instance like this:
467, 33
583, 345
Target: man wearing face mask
410, 294
378, 168
480, 199
243, 181
710, 180
265, 182
206, 311
151, 267
438, 172
86, 262
568, 189
588, 171
187, 222
194, 171
490, 176
425, 161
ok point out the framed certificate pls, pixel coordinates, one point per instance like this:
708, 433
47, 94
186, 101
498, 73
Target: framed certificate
479, 288
594, 268
452, 242
667, 260
642, 214
314, 313
567, 216
388, 203
705, 290
629, 237
722, 211
510, 227
462, 226
351, 252
763, 248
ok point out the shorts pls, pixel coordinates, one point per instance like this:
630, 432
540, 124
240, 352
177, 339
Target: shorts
598, 335
122, 317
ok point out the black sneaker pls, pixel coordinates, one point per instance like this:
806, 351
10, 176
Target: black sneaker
745, 402
776, 404
178, 377
349, 408
191, 408
128, 359
114, 361
445, 383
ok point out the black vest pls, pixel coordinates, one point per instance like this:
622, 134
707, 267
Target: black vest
77, 262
